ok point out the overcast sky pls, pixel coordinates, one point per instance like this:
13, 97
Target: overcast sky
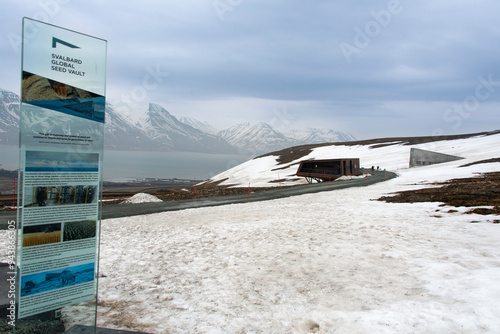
373, 68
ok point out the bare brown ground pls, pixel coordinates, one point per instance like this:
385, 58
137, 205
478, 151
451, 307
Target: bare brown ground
116, 193
483, 190
113, 194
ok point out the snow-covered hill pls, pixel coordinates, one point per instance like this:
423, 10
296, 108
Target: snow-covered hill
266, 171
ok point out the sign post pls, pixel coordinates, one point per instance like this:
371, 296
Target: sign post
60, 174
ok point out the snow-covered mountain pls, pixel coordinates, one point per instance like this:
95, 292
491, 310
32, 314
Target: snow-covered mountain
200, 125
9, 117
263, 138
317, 136
170, 133
121, 133
152, 127
255, 138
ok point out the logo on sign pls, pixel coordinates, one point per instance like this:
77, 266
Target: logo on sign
55, 41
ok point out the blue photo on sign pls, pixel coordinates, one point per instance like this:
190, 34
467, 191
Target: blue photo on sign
56, 279
47, 161
50, 94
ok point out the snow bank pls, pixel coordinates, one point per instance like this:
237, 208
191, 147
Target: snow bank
141, 198
351, 177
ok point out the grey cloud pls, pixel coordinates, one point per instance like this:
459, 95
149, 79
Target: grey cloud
425, 52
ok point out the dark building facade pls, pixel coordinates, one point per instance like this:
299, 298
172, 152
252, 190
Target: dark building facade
325, 170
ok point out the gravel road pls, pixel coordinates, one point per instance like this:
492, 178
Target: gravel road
116, 210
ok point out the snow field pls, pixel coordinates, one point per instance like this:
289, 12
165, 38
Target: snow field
333, 262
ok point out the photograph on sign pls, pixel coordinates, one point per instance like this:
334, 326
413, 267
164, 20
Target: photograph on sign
60, 195
54, 161
51, 94
56, 279
41, 234
45, 129
79, 230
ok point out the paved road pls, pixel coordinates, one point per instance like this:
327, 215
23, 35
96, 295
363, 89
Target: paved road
116, 211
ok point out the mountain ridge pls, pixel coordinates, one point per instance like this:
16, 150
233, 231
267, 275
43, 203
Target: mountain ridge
154, 128
9, 117
254, 138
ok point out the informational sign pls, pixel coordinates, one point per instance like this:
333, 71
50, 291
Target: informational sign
61, 155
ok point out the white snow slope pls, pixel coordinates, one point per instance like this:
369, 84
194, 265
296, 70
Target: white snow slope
260, 171
331, 262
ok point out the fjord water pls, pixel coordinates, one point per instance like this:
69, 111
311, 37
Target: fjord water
131, 165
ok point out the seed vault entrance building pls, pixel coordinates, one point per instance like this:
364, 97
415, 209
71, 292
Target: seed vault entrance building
327, 170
